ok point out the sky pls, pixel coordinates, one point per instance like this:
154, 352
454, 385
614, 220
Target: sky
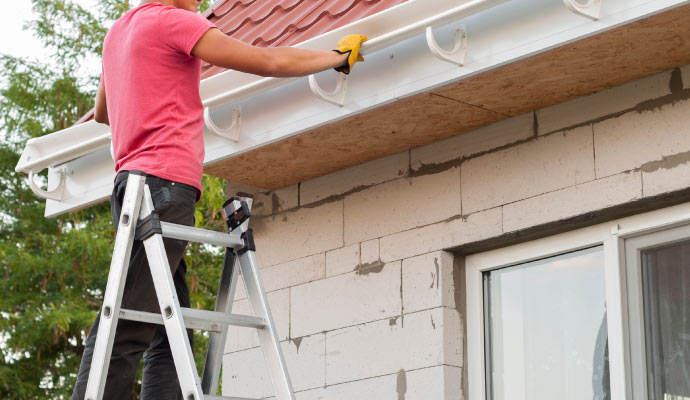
21, 43
14, 40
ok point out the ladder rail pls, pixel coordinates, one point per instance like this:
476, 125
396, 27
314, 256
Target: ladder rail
216, 341
112, 298
170, 309
270, 343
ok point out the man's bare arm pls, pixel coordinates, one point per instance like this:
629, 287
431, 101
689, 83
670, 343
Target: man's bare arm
217, 48
101, 111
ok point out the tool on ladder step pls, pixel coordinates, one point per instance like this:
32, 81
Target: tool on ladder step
139, 220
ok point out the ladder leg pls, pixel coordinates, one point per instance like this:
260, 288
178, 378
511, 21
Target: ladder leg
270, 344
171, 310
216, 341
115, 287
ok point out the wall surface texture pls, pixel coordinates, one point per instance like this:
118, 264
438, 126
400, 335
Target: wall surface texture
362, 267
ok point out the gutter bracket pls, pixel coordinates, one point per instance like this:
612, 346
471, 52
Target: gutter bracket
233, 131
590, 9
454, 56
55, 194
337, 96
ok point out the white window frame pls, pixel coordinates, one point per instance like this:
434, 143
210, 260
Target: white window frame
627, 369
633, 248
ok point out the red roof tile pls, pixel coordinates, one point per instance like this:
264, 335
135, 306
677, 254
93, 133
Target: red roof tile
270, 23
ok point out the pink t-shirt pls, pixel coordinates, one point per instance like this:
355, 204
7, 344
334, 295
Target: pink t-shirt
152, 91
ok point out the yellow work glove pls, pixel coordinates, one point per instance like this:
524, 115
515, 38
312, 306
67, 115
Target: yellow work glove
350, 44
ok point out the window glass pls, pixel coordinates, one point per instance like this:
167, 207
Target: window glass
546, 329
666, 297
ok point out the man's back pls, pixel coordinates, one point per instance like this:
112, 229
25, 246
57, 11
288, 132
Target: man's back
152, 86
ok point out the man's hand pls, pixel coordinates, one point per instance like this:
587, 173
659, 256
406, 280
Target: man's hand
350, 45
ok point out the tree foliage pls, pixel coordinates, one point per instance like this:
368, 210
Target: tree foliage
53, 271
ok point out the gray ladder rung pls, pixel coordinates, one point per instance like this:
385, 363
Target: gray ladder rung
198, 235
198, 319
211, 397
214, 317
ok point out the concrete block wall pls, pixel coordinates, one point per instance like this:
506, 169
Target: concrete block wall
365, 291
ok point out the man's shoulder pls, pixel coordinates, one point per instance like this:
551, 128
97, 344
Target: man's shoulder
137, 16
183, 25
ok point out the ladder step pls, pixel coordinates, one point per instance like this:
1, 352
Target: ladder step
198, 319
210, 397
198, 235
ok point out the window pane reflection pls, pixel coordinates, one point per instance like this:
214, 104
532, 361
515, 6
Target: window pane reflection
547, 330
666, 297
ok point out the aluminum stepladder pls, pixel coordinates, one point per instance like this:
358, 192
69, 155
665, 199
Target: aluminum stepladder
139, 220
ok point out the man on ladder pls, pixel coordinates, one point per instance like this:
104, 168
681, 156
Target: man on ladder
151, 67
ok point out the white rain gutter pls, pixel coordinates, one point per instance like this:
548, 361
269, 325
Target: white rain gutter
58, 148
78, 158
374, 44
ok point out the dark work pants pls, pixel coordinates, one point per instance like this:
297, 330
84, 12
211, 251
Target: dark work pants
132, 339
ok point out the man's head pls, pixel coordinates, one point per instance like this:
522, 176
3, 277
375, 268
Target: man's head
189, 5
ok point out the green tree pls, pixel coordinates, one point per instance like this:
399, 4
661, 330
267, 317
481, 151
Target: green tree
53, 271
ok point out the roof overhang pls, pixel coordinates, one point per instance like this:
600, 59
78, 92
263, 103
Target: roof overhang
521, 56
